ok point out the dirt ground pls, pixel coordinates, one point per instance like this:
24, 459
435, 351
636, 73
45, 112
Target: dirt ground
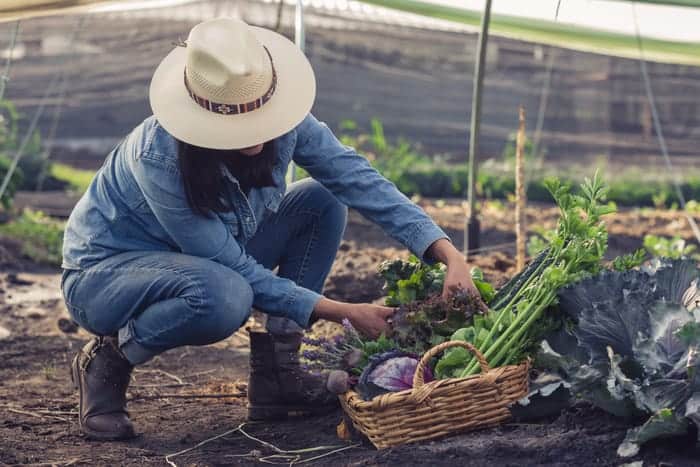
189, 395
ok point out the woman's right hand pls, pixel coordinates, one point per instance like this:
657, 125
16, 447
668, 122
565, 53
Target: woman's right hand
370, 319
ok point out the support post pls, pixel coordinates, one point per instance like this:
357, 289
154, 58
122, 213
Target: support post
471, 226
520, 194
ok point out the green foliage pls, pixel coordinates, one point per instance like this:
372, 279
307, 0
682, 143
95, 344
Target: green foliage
509, 150
416, 174
33, 164
391, 159
692, 206
629, 261
540, 240
407, 281
663, 247
9, 123
41, 236
78, 180
517, 319
421, 325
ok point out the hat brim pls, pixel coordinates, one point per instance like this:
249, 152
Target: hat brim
183, 118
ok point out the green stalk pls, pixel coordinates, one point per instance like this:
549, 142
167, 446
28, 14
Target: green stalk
509, 346
472, 365
488, 352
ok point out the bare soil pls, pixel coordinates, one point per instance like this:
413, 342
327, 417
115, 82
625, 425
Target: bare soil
192, 394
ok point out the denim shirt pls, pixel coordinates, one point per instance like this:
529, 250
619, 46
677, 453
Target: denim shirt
137, 201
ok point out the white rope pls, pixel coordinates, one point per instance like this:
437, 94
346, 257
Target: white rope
658, 129
35, 119
5, 77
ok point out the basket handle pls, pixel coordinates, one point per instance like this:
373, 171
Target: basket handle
418, 377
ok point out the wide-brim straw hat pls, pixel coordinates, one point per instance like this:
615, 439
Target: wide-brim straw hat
232, 86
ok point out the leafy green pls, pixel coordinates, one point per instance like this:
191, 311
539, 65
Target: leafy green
413, 280
634, 348
408, 281
516, 321
629, 261
423, 324
662, 247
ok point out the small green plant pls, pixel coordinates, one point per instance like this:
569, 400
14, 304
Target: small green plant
49, 372
33, 163
41, 236
664, 247
393, 160
629, 261
78, 180
508, 153
692, 207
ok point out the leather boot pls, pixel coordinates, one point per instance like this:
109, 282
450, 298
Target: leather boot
101, 373
278, 388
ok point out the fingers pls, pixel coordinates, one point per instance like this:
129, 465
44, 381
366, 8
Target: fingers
386, 312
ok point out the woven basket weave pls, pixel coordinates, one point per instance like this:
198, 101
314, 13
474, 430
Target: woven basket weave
441, 407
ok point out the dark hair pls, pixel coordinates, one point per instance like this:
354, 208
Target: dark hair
203, 174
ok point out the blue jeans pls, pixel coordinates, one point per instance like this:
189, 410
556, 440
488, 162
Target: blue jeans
159, 300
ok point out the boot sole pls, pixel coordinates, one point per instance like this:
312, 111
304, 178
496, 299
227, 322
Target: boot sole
87, 432
284, 412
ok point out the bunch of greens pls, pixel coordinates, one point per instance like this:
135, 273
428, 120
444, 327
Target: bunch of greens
413, 280
634, 348
408, 281
516, 321
423, 324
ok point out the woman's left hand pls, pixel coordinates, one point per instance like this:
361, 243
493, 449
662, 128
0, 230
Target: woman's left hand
458, 275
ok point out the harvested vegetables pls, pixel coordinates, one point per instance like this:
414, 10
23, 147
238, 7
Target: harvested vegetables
516, 321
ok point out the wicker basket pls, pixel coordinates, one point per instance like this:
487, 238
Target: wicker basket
441, 407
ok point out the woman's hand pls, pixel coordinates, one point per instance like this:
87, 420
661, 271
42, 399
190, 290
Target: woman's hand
458, 275
368, 319
371, 320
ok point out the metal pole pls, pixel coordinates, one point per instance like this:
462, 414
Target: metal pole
300, 41
471, 226
299, 38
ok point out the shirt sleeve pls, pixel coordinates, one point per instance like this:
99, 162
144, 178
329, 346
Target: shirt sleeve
210, 238
357, 184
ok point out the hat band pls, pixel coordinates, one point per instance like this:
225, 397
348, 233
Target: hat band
235, 109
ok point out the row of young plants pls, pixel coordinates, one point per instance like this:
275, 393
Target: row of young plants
640, 362
415, 173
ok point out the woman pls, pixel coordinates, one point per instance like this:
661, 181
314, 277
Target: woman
176, 238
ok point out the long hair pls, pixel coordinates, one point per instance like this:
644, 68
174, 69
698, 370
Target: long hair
203, 174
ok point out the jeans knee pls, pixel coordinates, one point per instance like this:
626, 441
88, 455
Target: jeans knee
227, 303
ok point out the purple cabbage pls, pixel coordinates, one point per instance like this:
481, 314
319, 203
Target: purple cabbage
389, 372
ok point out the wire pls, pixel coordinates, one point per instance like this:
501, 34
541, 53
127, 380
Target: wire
56, 118
556, 13
544, 96
35, 120
657, 126
5, 77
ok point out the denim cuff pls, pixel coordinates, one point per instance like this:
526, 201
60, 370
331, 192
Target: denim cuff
136, 353
422, 237
300, 304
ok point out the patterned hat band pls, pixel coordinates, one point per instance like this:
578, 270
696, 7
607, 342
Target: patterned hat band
234, 109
